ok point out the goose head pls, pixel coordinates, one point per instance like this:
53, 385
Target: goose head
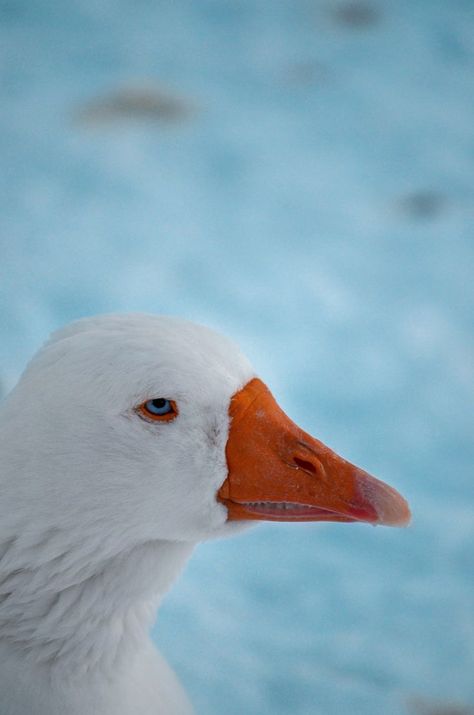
153, 428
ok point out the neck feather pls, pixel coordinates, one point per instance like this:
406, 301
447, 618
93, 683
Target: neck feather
78, 613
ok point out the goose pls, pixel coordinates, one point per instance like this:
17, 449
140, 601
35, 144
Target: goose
127, 441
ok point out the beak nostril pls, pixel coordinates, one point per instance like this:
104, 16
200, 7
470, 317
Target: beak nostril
305, 465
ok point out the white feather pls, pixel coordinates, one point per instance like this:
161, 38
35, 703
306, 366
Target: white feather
100, 509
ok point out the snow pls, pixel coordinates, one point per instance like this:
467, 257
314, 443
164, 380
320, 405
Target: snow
311, 195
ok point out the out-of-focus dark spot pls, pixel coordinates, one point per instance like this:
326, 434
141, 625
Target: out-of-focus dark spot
10, 10
136, 102
305, 73
420, 706
450, 46
356, 14
422, 204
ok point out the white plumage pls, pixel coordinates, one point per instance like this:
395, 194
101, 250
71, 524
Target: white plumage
99, 509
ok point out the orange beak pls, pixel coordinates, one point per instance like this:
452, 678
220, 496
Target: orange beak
277, 472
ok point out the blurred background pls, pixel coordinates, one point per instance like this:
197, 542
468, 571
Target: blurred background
298, 174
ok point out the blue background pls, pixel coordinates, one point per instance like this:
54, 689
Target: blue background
299, 175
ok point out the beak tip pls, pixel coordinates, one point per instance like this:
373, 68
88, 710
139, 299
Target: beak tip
394, 511
391, 508
399, 517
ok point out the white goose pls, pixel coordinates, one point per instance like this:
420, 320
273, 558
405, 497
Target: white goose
127, 441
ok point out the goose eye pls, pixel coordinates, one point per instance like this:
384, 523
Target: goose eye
159, 409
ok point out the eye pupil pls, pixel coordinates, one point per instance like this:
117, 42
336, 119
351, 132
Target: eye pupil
160, 407
159, 403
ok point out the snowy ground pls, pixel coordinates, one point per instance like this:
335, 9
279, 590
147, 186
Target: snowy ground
299, 174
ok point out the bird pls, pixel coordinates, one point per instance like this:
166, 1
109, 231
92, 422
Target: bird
128, 440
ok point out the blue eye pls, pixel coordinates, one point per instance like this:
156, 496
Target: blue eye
160, 406
160, 409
